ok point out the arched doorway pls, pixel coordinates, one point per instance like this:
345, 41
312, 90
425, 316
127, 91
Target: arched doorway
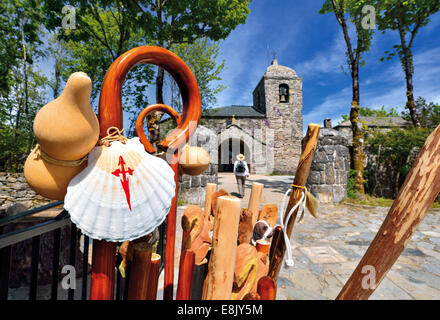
228, 151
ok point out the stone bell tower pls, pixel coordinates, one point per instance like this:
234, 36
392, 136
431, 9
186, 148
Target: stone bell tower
279, 96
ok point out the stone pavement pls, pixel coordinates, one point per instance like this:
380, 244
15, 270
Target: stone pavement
327, 250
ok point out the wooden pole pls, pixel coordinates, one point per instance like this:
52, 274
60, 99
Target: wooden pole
186, 269
267, 288
103, 270
140, 268
199, 276
254, 200
153, 277
302, 172
415, 197
224, 246
171, 237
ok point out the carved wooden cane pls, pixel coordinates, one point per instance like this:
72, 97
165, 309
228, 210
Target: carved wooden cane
302, 172
110, 114
415, 197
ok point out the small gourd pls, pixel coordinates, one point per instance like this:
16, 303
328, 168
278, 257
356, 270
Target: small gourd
194, 160
47, 179
67, 128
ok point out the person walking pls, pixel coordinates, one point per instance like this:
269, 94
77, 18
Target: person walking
241, 172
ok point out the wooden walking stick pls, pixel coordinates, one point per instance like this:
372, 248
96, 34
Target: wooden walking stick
302, 172
415, 197
210, 189
245, 270
153, 277
142, 250
254, 200
224, 246
110, 114
185, 275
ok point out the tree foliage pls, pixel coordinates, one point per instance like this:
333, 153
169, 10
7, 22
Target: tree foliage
183, 22
397, 148
427, 113
406, 17
351, 13
369, 112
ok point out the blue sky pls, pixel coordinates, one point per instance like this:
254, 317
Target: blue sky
312, 45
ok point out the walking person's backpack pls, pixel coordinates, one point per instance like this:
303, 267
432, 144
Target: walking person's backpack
240, 167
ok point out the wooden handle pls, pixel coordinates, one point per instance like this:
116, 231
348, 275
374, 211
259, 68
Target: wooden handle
140, 123
224, 246
110, 104
302, 172
415, 197
267, 288
255, 199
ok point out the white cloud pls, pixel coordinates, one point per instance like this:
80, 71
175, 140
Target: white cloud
325, 61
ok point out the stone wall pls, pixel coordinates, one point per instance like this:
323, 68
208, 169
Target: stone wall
192, 189
330, 166
15, 189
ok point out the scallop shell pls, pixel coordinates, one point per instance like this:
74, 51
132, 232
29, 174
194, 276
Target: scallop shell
123, 194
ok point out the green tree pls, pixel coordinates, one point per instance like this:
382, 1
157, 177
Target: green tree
104, 30
200, 57
406, 17
398, 148
427, 113
16, 133
352, 11
185, 21
20, 22
368, 112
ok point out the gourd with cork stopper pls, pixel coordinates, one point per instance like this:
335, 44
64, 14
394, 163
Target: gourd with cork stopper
193, 160
66, 130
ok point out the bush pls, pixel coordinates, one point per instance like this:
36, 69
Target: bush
351, 192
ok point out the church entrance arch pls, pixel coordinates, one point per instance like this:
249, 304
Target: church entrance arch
228, 150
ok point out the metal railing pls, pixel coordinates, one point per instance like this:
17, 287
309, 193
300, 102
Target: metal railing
55, 225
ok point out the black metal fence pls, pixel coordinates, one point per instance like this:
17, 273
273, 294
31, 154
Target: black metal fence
55, 225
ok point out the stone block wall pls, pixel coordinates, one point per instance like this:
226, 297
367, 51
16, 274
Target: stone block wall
192, 189
330, 167
15, 189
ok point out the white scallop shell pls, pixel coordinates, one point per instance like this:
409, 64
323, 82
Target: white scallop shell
97, 201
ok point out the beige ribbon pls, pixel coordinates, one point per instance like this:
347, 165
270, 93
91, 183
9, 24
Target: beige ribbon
113, 134
64, 163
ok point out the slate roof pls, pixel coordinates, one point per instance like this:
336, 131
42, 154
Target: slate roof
378, 122
237, 111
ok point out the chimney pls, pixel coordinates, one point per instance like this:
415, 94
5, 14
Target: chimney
328, 123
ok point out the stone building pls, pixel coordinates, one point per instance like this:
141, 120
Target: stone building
269, 132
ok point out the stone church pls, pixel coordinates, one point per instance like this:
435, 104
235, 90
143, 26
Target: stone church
269, 132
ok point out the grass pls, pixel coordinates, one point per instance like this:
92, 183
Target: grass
377, 202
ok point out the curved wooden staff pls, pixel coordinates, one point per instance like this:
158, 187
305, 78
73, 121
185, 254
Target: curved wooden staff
302, 172
110, 114
415, 197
